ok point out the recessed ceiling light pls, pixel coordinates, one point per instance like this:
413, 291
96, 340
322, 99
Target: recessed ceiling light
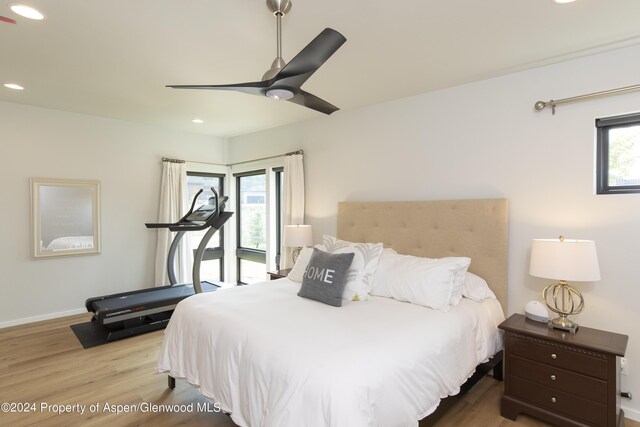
27, 11
564, 1
13, 86
197, 121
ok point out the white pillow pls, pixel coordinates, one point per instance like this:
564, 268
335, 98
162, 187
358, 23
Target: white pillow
297, 272
476, 288
434, 283
364, 265
381, 288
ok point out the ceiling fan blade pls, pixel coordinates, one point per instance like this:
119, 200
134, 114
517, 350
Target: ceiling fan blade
309, 100
309, 59
7, 20
253, 88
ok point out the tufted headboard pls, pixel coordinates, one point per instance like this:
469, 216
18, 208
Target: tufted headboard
434, 229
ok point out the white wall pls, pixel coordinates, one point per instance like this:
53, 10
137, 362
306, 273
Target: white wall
485, 140
126, 159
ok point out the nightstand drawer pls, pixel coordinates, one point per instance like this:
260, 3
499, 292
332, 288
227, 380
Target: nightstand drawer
560, 379
559, 401
558, 355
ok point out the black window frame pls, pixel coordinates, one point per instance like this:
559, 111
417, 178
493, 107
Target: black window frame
279, 184
218, 252
248, 254
603, 126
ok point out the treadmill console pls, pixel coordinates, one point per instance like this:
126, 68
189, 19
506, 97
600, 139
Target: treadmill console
202, 214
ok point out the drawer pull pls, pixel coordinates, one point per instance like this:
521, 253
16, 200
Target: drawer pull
553, 377
553, 356
553, 400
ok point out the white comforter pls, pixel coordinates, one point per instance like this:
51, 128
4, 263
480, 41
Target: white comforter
271, 358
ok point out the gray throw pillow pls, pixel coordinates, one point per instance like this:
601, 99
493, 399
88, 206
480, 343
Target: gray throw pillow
325, 277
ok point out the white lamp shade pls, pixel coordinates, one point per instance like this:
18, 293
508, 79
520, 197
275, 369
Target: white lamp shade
297, 236
568, 260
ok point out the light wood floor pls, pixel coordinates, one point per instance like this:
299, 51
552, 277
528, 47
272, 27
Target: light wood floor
43, 363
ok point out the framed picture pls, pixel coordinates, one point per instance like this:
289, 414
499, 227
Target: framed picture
65, 217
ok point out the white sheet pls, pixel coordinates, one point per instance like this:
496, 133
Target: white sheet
271, 358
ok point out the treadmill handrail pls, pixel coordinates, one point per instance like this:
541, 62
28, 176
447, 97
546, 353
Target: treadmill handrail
193, 202
190, 211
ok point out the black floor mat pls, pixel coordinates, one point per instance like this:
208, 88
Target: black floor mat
90, 334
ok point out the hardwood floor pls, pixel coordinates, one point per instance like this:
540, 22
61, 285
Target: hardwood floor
44, 364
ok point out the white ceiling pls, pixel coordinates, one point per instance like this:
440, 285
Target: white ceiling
113, 58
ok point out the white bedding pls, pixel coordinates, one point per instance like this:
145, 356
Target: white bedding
271, 358
70, 242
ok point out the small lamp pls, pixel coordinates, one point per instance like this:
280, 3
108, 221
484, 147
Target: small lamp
563, 259
297, 236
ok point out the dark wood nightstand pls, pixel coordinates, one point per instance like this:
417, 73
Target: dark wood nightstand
562, 378
279, 274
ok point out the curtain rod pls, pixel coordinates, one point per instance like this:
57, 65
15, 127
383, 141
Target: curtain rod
166, 159
267, 158
540, 105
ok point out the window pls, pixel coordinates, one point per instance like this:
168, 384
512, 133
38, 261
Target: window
258, 218
255, 200
251, 217
618, 154
279, 184
212, 267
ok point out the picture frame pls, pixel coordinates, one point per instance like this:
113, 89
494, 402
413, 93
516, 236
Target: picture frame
65, 217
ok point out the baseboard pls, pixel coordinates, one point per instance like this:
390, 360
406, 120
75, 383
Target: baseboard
49, 316
632, 414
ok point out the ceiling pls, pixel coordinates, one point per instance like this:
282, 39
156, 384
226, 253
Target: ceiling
113, 58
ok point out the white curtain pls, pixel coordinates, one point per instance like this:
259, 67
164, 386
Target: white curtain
292, 200
173, 206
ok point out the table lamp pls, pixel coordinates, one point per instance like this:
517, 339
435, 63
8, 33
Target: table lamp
564, 260
297, 237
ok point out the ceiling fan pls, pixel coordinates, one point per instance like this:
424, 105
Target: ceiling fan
283, 80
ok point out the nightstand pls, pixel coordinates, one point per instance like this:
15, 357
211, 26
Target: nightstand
562, 378
279, 274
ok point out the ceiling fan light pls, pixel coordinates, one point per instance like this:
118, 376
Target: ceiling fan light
279, 94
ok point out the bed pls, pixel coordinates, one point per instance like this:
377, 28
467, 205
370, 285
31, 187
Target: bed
270, 358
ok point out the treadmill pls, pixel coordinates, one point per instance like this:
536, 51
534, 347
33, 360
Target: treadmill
132, 313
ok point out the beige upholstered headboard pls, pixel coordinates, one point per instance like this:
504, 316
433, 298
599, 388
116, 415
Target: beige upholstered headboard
434, 229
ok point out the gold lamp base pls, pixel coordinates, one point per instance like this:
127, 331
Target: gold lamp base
295, 253
563, 322
565, 301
